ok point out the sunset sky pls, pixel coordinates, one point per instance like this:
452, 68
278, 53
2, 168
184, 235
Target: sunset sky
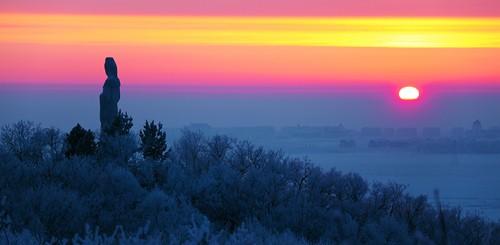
252, 43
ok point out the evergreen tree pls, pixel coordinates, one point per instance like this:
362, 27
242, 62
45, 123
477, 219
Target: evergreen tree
80, 142
116, 141
121, 125
153, 141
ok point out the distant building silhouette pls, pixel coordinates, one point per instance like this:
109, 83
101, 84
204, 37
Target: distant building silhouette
371, 132
315, 132
492, 132
202, 127
458, 132
406, 132
431, 132
389, 132
477, 128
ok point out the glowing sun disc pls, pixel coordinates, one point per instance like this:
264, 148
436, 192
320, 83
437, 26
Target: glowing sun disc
409, 93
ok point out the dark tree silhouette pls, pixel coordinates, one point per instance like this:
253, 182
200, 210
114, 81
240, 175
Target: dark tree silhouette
80, 142
153, 141
121, 125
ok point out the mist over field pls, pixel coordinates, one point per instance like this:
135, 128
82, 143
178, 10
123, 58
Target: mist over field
354, 107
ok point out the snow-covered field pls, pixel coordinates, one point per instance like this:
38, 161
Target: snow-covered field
468, 180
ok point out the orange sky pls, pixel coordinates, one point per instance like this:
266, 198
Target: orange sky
207, 50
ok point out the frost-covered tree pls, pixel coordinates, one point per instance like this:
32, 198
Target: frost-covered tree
117, 141
80, 142
120, 148
214, 191
153, 141
30, 142
190, 150
53, 141
121, 125
246, 155
18, 138
5, 220
254, 233
218, 147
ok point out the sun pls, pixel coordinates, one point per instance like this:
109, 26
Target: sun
409, 93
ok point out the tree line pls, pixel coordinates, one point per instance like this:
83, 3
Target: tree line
120, 187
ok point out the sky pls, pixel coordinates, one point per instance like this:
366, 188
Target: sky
383, 8
355, 48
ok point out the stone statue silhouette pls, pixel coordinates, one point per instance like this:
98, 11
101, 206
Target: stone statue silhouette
110, 94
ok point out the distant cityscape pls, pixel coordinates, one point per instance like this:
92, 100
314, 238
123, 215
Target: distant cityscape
340, 131
339, 138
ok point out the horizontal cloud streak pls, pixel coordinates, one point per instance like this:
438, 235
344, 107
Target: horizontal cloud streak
251, 31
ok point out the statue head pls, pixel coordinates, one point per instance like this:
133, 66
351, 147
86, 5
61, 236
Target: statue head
110, 67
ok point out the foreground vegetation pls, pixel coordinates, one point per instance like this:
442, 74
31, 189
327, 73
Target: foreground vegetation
123, 188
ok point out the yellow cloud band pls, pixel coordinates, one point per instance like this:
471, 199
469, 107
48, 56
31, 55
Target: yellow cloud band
254, 31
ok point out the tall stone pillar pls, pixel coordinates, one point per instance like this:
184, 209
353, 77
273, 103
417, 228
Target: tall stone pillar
110, 95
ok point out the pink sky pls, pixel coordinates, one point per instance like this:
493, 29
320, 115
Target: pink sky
262, 7
36, 49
